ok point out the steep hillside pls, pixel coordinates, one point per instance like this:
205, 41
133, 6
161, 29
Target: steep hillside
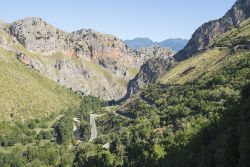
86, 61
185, 110
204, 36
197, 116
227, 50
203, 39
76, 60
26, 94
158, 61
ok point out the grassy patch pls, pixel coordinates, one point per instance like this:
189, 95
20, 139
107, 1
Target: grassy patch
26, 94
133, 71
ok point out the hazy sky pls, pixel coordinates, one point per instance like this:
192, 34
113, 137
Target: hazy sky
127, 19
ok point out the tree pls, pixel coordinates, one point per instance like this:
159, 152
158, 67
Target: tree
105, 159
158, 152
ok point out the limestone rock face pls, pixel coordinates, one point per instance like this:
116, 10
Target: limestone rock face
150, 72
29, 62
37, 35
85, 61
204, 36
152, 52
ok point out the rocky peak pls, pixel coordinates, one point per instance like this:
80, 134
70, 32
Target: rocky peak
205, 35
38, 35
81, 58
104, 45
75, 60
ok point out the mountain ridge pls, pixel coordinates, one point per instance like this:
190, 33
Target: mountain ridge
198, 43
77, 59
175, 44
204, 36
188, 111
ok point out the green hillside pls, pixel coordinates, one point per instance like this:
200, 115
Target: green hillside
26, 94
227, 50
194, 117
197, 115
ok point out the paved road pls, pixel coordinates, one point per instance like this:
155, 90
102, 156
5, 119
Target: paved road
93, 127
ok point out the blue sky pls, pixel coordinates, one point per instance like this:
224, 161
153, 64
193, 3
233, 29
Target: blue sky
127, 19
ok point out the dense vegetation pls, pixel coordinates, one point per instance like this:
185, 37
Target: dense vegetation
200, 123
187, 125
46, 142
199, 117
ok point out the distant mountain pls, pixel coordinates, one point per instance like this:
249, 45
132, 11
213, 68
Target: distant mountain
175, 44
138, 43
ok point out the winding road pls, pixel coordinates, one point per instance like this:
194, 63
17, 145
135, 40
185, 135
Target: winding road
93, 127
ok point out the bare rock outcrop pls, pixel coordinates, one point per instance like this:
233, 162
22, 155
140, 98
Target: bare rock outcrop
205, 35
85, 61
152, 52
150, 72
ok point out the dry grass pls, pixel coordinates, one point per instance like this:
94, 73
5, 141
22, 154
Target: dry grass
26, 94
212, 60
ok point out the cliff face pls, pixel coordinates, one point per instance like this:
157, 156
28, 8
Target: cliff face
202, 39
152, 52
85, 60
204, 36
158, 61
39, 36
150, 72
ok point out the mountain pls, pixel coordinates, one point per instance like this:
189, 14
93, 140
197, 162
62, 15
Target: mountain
27, 94
228, 50
197, 110
190, 111
204, 36
195, 114
175, 44
86, 61
138, 43
158, 61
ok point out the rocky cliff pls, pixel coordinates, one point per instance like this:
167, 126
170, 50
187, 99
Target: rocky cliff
39, 36
152, 52
150, 72
202, 39
204, 36
86, 61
